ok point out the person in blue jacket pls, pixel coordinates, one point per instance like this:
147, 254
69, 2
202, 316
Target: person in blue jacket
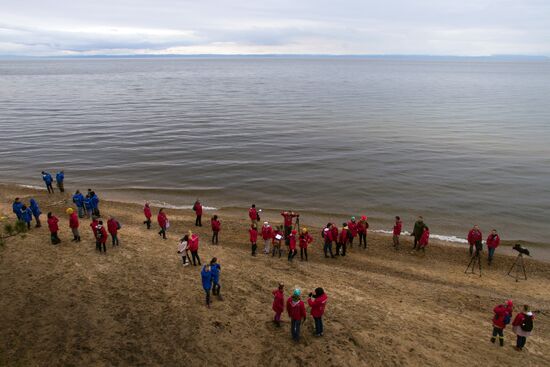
88, 205
206, 276
59, 178
215, 268
16, 207
78, 200
26, 216
35, 209
94, 199
48, 181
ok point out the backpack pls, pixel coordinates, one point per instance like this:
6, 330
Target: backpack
507, 319
99, 234
527, 324
118, 226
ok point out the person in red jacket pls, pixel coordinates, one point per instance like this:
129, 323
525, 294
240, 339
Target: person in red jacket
305, 240
493, 241
253, 234
278, 303
327, 237
343, 239
54, 228
162, 220
397, 232
297, 312
197, 207
193, 245
475, 239
148, 215
503, 316
101, 237
522, 327
362, 227
253, 214
113, 226
93, 226
216, 227
267, 236
352, 227
73, 224
334, 233
277, 238
288, 217
318, 304
424, 239
292, 245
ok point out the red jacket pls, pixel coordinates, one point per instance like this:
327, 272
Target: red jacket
305, 240
474, 236
193, 243
197, 208
327, 235
162, 219
73, 221
424, 239
397, 228
493, 241
93, 225
292, 242
147, 211
52, 224
275, 233
253, 214
278, 300
267, 232
216, 225
112, 226
103, 234
352, 226
317, 305
253, 235
362, 227
500, 313
334, 233
296, 310
343, 237
288, 218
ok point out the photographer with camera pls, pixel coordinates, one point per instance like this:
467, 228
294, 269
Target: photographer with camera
318, 302
475, 239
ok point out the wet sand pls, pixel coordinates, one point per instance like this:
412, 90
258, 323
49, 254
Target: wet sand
136, 306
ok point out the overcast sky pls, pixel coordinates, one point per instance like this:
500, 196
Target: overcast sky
429, 27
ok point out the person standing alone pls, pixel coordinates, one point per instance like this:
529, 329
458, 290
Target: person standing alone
397, 232
216, 227
197, 207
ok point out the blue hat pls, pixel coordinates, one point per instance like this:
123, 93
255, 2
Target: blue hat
297, 292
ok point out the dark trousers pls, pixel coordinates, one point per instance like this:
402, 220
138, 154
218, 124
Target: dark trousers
328, 249
276, 249
291, 254
114, 237
100, 245
417, 239
395, 241
362, 239
215, 237
295, 329
491, 253
148, 222
185, 257
28, 225
520, 342
54, 238
207, 291
500, 333
303, 253
216, 289
37, 218
61, 186
318, 325
162, 232
254, 247
343, 247
198, 221
50, 188
195, 256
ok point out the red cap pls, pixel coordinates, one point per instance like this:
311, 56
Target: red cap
363, 217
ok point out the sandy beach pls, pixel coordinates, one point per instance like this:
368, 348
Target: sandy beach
67, 305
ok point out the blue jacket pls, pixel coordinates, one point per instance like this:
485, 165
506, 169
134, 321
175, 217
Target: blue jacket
60, 177
206, 278
47, 178
88, 203
17, 209
35, 208
78, 199
26, 215
215, 270
95, 202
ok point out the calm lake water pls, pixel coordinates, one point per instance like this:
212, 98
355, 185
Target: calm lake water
458, 142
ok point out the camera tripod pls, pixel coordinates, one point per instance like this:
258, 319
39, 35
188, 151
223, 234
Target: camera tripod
518, 265
476, 259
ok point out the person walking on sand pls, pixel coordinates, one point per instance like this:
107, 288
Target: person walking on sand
253, 214
522, 327
276, 242
318, 302
101, 238
267, 236
48, 179
16, 208
423, 242
327, 237
193, 242
502, 317
206, 276
36, 212
493, 241
417, 231
297, 312
54, 228
148, 215
113, 226
26, 216
362, 228
278, 305
197, 207
305, 240
397, 232
475, 239
183, 246
162, 220
343, 239
78, 200
216, 227
352, 228
216, 269
74, 224
292, 245
59, 178
253, 235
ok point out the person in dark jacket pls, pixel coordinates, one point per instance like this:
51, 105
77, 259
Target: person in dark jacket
59, 178
417, 231
78, 200
48, 179
206, 276
54, 228
36, 212
297, 312
16, 208
318, 302
216, 269
26, 216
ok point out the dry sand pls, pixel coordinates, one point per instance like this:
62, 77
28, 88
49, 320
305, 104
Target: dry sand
67, 305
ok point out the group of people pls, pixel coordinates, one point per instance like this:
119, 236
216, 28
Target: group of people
48, 180
475, 241
522, 325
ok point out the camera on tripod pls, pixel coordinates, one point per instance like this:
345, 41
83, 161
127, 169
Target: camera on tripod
522, 250
519, 265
